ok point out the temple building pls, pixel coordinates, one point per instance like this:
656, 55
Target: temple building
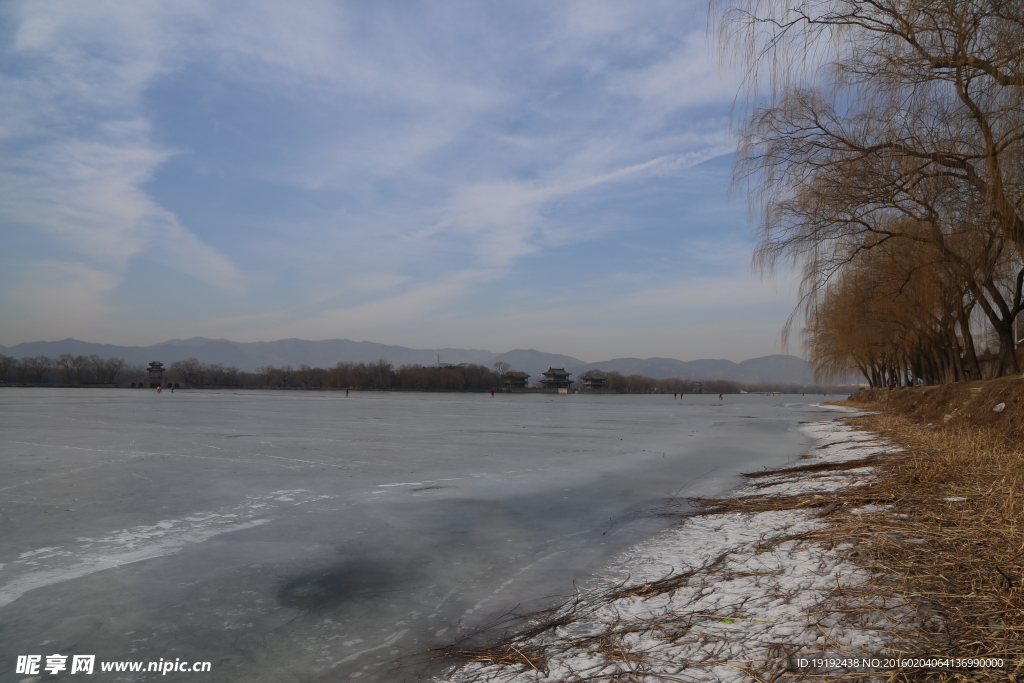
593, 380
556, 378
156, 374
514, 380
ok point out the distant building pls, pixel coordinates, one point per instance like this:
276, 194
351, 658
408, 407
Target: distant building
514, 380
156, 374
593, 380
556, 378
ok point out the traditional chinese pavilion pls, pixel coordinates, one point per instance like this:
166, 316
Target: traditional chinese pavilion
593, 380
156, 374
514, 380
556, 378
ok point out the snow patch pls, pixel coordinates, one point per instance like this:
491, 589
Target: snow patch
756, 599
46, 566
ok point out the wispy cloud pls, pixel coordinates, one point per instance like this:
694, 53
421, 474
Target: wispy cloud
79, 152
505, 219
339, 166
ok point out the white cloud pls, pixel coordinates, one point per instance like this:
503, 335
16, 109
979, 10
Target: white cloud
422, 306
504, 219
89, 197
686, 77
388, 96
405, 158
79, 153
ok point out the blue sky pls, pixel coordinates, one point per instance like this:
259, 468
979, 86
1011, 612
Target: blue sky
491, 175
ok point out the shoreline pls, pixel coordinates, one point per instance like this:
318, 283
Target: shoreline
747, 588
801, 390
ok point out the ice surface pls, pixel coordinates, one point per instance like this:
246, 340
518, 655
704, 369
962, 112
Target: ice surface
758, 599
309, 535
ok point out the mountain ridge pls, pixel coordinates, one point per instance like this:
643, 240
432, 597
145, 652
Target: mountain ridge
248, 356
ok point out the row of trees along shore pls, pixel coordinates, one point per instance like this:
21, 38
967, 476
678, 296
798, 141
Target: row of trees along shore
882, 147
67, 370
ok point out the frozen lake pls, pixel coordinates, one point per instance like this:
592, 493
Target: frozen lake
306, 536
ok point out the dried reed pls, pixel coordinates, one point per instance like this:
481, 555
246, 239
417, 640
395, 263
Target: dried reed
951, 547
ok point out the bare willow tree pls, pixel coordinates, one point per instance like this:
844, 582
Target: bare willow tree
6, 363
285, 373
189, 371
305, 374
894, 317
266, 373
112, 370
72, 365
887, 120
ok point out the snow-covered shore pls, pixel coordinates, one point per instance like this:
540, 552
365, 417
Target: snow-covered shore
719, 597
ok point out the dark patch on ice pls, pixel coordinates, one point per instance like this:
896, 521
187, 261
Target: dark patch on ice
433, 488
350, 581
250, 642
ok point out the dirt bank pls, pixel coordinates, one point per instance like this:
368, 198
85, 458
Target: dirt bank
965, 405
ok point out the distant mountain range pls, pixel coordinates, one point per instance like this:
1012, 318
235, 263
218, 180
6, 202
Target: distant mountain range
250, 355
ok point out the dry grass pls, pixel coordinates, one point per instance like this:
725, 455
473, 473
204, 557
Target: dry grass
951, 547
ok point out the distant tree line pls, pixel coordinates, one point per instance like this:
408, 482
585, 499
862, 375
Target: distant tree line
380, 375
65, 369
